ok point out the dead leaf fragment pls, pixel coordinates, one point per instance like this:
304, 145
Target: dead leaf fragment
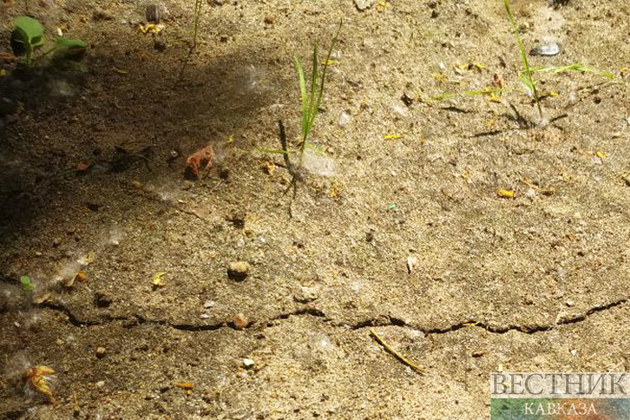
83, 166
157, 279
37, 378
79, 276
184, 385
505, 193
201, 159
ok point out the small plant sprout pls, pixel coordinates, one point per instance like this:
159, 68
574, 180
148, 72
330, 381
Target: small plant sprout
28, 35
525, 75
27, 284
312, 98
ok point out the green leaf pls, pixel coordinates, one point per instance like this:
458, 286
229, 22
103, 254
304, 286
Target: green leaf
31, 31
72, 49
527, 81
69, 43
27, 284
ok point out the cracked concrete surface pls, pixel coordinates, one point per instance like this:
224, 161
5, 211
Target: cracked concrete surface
408, 237
379, 321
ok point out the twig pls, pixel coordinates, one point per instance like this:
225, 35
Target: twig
393, 352
295, 175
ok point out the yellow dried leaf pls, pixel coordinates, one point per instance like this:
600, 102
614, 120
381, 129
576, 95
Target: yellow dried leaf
119, 71
381, 5
157, 278
391, 136
151, 28
37, 378
184, 385
600, 155
505, 193
333, 192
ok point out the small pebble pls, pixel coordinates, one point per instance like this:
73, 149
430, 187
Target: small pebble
209, 304
248, 363
550, 49
363, 4
240, 321
100, 384
400, 111
570, 303
238, 270
344, 119
100, 352
269, 19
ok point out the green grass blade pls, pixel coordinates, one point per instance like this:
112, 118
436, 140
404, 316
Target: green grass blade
303, 97
326, 63
526, 74
275, 151
572, 67
313, 83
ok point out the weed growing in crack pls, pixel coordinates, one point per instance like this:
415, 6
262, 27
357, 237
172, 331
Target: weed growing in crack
525, 75
312, 98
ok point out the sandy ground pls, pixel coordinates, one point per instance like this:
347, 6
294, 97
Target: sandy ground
398, 225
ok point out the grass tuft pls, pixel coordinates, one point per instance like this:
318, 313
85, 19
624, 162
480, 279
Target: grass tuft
312, 98
525, 75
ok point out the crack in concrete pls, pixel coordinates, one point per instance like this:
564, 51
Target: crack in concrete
309, 310
523, 328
